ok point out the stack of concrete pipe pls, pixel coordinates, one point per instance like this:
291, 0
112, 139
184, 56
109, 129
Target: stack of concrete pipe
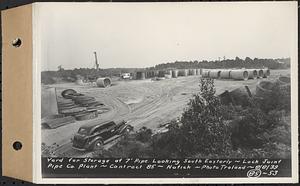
236, 74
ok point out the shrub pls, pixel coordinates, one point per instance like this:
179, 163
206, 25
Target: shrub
203, 129
144, 134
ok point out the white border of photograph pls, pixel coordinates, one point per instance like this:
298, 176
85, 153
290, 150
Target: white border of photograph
37, 112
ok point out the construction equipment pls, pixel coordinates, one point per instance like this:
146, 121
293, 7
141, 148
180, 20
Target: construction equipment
96, 61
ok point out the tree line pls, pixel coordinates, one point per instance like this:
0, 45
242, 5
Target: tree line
281, 63
50, 77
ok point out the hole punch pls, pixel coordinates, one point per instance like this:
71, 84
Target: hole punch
17, 42
17, 145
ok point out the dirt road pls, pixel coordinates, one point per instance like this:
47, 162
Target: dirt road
140, 102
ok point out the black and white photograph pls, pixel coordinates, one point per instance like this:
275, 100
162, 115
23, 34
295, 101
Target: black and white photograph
167, 90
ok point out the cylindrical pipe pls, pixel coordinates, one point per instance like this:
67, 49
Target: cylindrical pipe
260, 73
215, 74
225, 74
169, 72
174, 73
140, 75
239, 74
283, 80
147, 74
150, 74
192, 72
103, 82
168, 76
266, 73
252, 73
205, 73
183, 72
161, 73
264, 88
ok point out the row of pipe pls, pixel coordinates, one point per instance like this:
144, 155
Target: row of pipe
237, 74
166, 73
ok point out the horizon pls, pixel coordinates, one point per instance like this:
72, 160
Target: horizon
190, 61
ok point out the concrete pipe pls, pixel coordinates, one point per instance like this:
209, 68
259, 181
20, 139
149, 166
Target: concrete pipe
168, 76
205, 73
183, 72
134, 75
192, 72
150, 74
103, 82
186, 72
283, 80
147, 74
174, 73
240, 96
266, 73
161, 73
143, 75
264, 88
252, 73
239, 74
225, 74
215, 74
260, 73
140, 75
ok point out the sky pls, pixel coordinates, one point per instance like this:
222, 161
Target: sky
137, 35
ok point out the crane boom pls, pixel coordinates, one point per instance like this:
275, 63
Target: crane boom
96, 61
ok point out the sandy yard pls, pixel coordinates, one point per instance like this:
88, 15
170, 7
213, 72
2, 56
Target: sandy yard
140, 102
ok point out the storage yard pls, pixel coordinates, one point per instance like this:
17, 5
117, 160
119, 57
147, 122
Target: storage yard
152, 98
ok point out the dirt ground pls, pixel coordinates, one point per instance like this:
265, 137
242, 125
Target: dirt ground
140, 102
